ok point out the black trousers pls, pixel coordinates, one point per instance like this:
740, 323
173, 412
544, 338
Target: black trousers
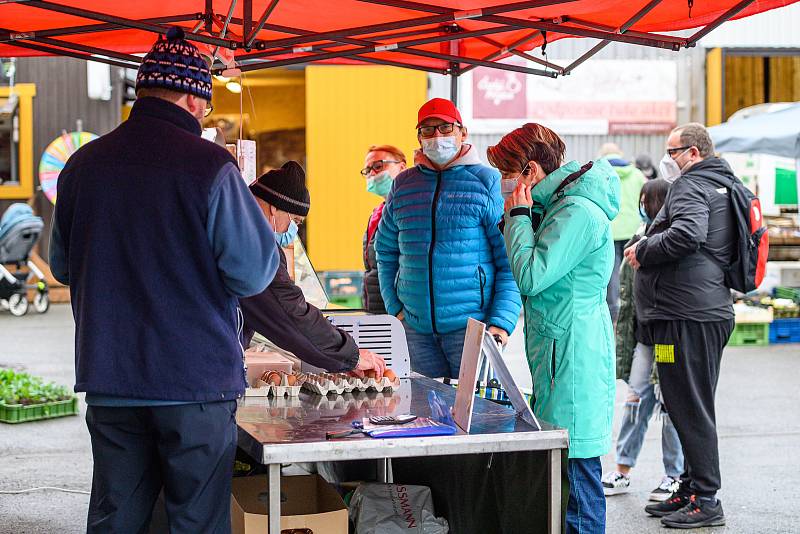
688, 355
188, 450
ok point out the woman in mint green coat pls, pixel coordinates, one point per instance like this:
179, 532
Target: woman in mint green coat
559, 243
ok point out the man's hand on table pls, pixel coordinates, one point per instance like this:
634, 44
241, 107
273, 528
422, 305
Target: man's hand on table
369, 361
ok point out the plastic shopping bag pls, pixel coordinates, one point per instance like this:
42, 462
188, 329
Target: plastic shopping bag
395, 509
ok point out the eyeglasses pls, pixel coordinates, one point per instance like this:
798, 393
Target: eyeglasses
297, 220
673, 151
377, 166
430, 131
209, 109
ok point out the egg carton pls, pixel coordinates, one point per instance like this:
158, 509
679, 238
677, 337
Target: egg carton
367, 400
339, 383
262, 388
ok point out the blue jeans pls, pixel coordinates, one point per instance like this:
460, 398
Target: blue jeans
636, 418
586, 509
435, 355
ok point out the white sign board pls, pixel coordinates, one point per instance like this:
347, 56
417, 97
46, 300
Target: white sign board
468, 373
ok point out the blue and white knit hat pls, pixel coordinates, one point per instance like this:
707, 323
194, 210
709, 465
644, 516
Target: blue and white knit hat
174, 63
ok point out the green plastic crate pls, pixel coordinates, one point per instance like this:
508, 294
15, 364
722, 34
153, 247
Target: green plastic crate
348, 302
750, 335
19, 413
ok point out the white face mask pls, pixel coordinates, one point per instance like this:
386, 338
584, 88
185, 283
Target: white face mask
440, 150
669, 168
508, 185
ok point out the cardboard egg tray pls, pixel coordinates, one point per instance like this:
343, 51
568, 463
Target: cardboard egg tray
327, 384
263, 389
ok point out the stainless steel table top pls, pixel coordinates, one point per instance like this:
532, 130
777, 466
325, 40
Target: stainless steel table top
283, 430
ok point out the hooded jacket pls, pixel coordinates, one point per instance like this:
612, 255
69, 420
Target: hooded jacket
441, 257
562, 270
631, 180
678, 279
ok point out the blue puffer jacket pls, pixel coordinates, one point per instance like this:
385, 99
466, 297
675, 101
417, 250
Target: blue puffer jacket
441, 256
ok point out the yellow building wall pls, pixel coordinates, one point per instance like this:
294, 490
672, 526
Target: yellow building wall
714, 87
25, 92
349, 108
278, 101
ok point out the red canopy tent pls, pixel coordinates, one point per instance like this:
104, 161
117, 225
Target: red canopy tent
445, 37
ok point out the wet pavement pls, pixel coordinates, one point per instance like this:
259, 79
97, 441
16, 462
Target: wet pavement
757, 414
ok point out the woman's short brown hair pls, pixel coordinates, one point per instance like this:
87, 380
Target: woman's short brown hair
393, 150
532, 142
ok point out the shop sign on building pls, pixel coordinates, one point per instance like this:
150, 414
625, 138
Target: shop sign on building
599, 97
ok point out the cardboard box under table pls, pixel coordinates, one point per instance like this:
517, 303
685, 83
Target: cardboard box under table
310, 502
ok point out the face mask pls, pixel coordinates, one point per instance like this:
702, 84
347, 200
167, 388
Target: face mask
440, 150
668, 167
380, 184
285, 239
507, 186
643, 215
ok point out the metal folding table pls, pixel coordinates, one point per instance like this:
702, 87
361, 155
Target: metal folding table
288, 430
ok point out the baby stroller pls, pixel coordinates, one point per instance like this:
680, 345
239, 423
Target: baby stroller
19, 231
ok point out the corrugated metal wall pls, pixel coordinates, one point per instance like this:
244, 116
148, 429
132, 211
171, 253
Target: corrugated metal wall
61, 99
585, 147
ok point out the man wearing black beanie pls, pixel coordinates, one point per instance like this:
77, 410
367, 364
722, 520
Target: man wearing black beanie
280, 313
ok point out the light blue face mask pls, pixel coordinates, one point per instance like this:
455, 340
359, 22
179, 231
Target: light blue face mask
643, 216
380, 184
440, 150
285, 239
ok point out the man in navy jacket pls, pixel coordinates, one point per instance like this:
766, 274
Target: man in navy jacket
157, 236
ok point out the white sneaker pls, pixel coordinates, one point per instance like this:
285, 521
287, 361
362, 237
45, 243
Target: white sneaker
615, 483
667, 487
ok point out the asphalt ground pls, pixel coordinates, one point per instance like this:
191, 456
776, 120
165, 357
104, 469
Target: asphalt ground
757, 414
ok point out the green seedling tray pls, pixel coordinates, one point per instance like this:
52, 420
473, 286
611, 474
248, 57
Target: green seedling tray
20, 413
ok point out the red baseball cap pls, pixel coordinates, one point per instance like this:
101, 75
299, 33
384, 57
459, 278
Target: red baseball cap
440, 108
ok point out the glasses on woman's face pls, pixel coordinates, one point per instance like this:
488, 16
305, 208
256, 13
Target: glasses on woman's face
444, 129
377, 166
209, 109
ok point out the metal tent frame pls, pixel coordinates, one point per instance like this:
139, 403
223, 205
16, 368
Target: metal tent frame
400, 38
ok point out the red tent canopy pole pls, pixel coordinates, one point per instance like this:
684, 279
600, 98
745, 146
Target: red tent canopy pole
69, 53
92, 28
644, 39
450, 16
722, 18
623, 29
127, 23
517, 53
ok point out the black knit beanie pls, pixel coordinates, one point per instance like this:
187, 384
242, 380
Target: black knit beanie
284, 188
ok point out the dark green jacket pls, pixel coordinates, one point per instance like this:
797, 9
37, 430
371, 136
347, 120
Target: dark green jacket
625, 330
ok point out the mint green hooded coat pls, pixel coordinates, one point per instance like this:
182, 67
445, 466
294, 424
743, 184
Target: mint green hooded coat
562, 272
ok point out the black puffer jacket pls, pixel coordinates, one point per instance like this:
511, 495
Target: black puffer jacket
281, 314
371, 292
677, 279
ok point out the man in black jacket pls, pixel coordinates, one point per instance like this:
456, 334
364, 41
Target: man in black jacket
686, 311
280, 313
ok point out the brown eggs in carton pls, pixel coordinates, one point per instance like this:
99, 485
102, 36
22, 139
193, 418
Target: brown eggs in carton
277, 384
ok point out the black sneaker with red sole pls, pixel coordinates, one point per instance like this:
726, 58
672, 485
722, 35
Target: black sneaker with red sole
698, 513
675, 502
